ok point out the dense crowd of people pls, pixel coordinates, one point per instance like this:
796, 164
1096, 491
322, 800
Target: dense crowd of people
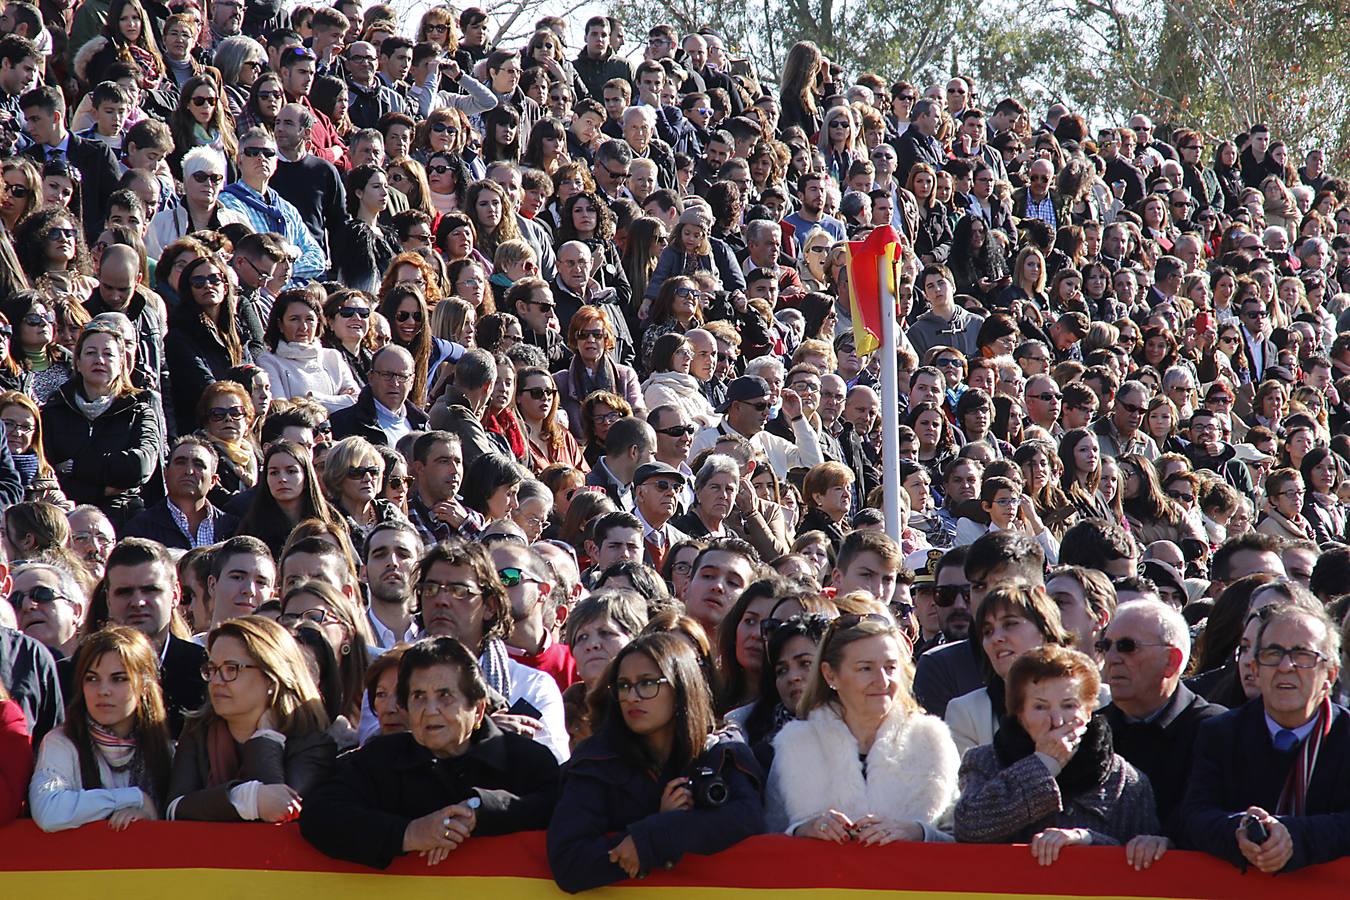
421, 439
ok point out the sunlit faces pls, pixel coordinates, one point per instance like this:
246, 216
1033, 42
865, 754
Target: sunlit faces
717, 582
440, 716
246, 581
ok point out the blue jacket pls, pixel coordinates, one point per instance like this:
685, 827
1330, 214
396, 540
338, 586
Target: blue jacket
604, 798
722, 260
1236, 765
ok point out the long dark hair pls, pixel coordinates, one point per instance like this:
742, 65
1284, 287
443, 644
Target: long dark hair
677, 662
485, 476
760, 720
227, 330
181, 122
150, 728
420, 346
265, 518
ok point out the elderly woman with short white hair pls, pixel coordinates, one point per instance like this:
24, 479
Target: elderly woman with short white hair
204, 174
716, 487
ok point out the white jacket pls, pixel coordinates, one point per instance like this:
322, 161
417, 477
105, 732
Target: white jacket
681, 391
911, 772
168, 225
540, 691
971, 719
298, 370
56, 793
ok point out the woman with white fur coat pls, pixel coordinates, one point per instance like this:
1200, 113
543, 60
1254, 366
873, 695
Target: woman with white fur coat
863, 763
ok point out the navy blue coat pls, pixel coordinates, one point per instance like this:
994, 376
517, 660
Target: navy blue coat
604, 799
1236, 766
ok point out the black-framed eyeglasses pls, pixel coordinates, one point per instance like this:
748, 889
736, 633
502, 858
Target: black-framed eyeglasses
318, 615
643, 688
228, 671
395, 377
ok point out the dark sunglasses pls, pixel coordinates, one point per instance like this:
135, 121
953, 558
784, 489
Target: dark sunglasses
397, 482
947, 594
678, 430
57, 234
17, 191
201, 281
442, 127
207, 178
204, 101
221, 413
664, 485
36, 320
539, 393
41, 595
438, 169
263, 152
1124, 646
405, 315
513, 576
357, 472
353, 312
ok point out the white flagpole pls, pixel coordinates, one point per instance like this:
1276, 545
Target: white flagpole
890, 404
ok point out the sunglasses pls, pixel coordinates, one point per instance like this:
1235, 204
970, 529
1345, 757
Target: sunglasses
513, 576
6, 331
405, 315
438, 169
441, 127
678, 430
1047, 396
1180, 497
539, 393
41, 595
398, 482
664, 485
61, 234
1124, 646
260, 152
204, 101
759, 406
208, 178
947, 594
269, 95
221, 413
353, 312
813, 624
358, 472
17, 191
36, 320
211, 280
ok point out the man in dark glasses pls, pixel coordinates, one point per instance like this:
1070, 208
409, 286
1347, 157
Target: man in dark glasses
656, 490
529, 586
746, 412
1153, 716
674, 436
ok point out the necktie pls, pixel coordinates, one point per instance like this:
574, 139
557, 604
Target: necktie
1285, 740
656, 549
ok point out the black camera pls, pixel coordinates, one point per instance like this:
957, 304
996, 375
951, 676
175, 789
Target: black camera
708, 788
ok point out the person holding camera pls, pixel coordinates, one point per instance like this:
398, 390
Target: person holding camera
653, 783
863, 763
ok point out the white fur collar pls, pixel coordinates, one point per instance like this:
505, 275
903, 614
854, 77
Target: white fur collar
911, 768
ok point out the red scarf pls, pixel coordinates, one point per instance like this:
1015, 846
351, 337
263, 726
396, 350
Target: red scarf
222, 753
1295, 793
505, 424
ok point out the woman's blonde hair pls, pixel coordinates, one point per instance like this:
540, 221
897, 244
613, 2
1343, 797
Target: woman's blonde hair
846, 630
294, 699
346, 453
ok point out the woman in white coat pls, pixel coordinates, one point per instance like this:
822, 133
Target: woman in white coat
671, 383
863, 763
298, 364
1012, 620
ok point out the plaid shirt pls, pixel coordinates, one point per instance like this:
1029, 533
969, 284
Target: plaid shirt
206, 532
1043, 210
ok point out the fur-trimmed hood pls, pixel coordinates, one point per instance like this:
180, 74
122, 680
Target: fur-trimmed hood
911, 770
86, 54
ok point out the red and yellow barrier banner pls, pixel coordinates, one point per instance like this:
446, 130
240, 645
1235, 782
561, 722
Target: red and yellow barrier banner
190, 861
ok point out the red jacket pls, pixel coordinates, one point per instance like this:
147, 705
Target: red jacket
16, 760
556, 660
324, 140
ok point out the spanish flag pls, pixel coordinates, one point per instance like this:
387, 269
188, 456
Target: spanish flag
865, 285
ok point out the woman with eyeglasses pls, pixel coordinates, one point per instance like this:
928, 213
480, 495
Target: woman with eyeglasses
347, 313
654, 728
22, 421
111, 759
1283, 513
409, 177
862, 763
199, 120
30, 359
265, 99
537, 403
590, 336
230, 765
22, 191
226, 414
1050, 745
676, 307
50, 246
405, 306
344, 626
205, 328
448, 182
599, 411
288, 493
103, 435
353, 476
299, 365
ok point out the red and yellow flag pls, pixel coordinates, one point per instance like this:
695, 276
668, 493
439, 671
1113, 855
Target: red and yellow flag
865, 285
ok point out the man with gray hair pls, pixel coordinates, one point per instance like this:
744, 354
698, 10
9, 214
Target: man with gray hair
1153, 716
50, 605
203, 177
639, 132
383, 413
311, 183
1122, 433
460, 409
266, 210
576, 286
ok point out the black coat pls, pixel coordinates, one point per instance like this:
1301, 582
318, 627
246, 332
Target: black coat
304, 763
604, 799
360, 419
157, 524
198, 358
362, 812
912, 147
120, 449
1237, 766
945, 673
1161, 749
180, 680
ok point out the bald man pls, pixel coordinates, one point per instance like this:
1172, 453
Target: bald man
383, 414
1036, 200
120, 290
